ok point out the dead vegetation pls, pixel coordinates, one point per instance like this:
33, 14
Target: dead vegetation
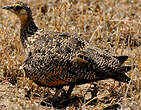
113, 25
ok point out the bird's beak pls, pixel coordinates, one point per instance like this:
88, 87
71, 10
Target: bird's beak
10, 8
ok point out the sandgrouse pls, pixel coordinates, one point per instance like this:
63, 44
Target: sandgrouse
55, 59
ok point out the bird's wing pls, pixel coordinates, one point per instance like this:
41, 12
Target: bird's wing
102, 61
122, 59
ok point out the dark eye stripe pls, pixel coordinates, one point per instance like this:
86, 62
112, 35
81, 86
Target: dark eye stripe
18, 7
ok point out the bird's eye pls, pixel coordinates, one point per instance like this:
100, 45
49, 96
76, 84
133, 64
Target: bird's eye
18, 7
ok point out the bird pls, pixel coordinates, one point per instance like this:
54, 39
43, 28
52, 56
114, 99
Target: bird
57, 59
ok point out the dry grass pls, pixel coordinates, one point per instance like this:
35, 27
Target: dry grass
113, 25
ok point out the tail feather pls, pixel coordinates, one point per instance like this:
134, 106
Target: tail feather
121, 76
125, 69
122, 59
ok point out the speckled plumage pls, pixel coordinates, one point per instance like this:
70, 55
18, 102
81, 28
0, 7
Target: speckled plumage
56, 59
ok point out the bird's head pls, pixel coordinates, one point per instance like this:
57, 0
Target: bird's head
21, 10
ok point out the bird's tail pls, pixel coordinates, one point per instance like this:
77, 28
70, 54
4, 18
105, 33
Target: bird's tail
121, 76
125, 69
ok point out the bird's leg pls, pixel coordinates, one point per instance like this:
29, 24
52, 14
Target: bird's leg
53, 100
58, 90
67, 95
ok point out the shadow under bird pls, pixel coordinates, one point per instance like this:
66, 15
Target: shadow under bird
55, 59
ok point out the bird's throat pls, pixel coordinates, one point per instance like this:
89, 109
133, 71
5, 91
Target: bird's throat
24, 20
28, 29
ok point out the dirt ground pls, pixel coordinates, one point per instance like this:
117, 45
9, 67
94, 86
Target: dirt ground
112, 25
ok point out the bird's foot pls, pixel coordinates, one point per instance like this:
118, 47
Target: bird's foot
54, 100
61, 102
50, 101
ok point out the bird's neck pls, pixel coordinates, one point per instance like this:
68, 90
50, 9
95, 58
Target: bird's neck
27, 30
